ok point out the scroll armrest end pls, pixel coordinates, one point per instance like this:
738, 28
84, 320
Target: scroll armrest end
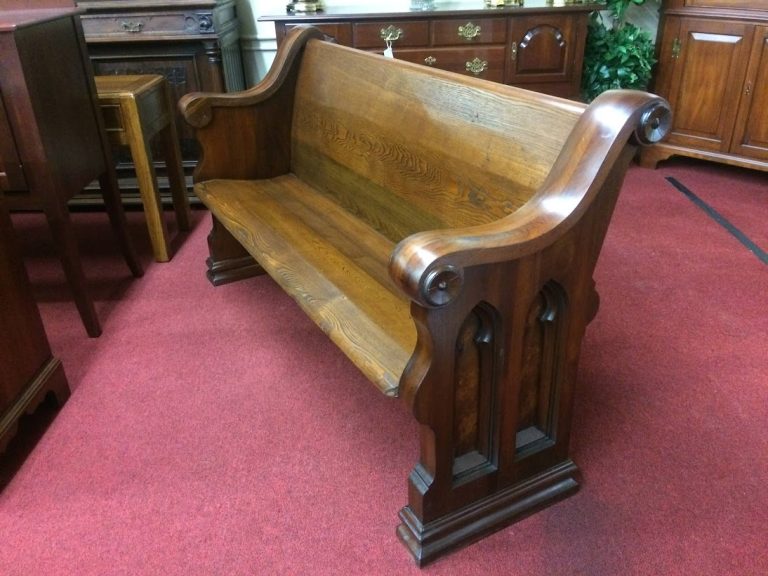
654, 123
195, 108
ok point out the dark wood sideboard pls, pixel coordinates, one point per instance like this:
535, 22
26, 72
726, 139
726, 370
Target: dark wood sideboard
539, 46
28, 369
195, 44
713, 69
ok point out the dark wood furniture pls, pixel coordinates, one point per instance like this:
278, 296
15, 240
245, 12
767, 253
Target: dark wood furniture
443, 231
28, 369
713, 68
137, 109
539, 46
194, 44
53, 137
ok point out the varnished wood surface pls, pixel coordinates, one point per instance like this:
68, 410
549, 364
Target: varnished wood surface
128, 86
136, 108
28, 369
443, 231
713, 68
410, 168
455, 8
330, 262
50, 105
15, 19
193, 43
539, 45
724, 7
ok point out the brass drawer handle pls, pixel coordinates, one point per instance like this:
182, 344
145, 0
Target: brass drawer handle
132, 27
390, 33
514, 51
430, 60
469, 31
477, 66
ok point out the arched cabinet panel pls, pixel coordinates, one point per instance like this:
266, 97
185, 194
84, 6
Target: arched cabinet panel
546, 51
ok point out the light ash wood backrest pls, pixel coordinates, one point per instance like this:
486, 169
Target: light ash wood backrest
409, 148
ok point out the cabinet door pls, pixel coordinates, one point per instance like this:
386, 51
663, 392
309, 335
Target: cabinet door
751, 135
709, 64
542, 51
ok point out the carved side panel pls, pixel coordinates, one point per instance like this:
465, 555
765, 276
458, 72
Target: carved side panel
542, 371
474, 395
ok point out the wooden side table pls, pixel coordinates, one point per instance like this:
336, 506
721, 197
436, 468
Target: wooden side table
136, 109
193, 43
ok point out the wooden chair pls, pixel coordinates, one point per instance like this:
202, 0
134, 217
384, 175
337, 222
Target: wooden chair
136, 109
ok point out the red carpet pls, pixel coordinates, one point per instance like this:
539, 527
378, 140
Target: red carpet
216, 431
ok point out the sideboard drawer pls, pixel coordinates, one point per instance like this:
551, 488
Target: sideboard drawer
540, 47
375, 34
481, 62
339, 31
194, 44
146, 25
468, 31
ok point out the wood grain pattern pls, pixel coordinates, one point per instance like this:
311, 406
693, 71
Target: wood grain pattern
137, 109
443, 231
328, 261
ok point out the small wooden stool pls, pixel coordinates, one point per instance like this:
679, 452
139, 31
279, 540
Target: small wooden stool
135, 109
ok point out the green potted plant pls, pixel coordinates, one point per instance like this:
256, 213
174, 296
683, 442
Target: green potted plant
618, 54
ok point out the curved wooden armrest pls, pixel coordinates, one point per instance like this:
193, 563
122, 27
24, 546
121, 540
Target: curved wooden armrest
428, 266
196, 106
246, 135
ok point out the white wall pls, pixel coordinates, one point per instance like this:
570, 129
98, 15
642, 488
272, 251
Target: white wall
257, 39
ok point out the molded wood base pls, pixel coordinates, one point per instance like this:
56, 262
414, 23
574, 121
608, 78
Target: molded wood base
50, 378
226, 271
228, 261
649, 157
428, 542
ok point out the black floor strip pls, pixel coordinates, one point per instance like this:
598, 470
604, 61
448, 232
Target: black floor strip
720, 219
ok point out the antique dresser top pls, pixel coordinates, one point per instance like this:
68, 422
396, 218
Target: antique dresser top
404, 8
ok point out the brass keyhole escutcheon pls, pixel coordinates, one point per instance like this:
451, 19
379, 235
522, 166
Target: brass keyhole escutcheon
132, 27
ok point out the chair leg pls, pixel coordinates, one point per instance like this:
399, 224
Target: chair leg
66, 245
113, 203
